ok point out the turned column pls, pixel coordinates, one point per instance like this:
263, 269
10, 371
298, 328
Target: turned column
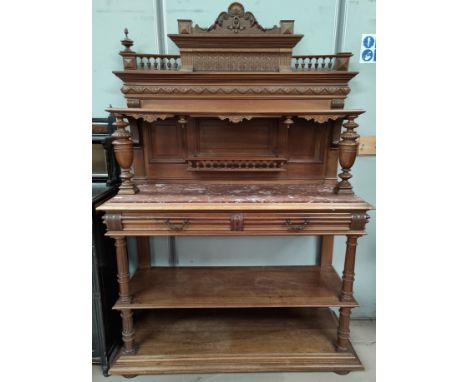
342, 342
346, 293
348, 147
123, 148
123, 278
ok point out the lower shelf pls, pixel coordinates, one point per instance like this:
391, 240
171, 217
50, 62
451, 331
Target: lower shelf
235, 340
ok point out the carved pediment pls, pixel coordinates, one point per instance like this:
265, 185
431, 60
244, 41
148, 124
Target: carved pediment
236, 20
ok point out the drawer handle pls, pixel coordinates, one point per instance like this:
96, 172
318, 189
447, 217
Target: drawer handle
175, 226
298, 227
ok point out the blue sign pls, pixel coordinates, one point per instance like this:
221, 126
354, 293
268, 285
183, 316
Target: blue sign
368, 41
368, 53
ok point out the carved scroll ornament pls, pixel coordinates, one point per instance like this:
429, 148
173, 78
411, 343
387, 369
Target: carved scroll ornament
236, 20
149, 117
235, 118
321, 118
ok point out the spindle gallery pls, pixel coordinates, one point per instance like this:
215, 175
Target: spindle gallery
235, 136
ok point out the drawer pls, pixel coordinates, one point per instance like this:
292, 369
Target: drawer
234, 223
177, 223
296, 223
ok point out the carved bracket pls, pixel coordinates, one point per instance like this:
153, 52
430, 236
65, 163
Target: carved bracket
236, 118
237, 222
359, 221
113, 222
149, 117
321, 118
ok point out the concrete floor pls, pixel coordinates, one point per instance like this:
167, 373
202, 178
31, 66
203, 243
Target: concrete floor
362, 337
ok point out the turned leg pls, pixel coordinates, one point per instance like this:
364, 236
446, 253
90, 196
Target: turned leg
123, 148
123, 279
348, 272
342, 342
128, 331
348, 147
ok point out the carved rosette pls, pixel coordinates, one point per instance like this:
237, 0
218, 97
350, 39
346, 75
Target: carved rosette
348, 147
123, 148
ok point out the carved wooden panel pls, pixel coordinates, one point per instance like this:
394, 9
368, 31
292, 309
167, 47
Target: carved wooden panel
165, 142
213, 137
235, 62
307, 142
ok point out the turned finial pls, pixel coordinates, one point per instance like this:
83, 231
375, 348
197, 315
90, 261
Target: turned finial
127, 42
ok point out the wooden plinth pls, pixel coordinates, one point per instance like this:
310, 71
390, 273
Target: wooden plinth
235, 287
235, 340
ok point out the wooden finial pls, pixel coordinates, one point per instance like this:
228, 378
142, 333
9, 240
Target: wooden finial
127, 42
123, 148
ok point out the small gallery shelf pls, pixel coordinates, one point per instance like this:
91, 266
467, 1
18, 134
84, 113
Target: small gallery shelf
235, 340
235, 287
236, 164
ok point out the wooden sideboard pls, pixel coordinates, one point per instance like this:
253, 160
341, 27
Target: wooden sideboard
235, 136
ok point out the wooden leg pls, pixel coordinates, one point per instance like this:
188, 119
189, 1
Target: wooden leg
123, 278
143, 251
343, 330
326, 255
172, 252
128, 331
348, 272
346, 293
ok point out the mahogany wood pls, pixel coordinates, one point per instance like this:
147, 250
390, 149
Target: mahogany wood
235, 137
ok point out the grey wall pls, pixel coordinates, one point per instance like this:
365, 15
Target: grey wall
326, 25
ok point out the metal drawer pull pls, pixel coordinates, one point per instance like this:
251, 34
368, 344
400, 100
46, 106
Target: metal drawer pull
299, 227
175, 226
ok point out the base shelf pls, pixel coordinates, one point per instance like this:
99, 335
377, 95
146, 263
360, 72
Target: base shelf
235, 340
235, 287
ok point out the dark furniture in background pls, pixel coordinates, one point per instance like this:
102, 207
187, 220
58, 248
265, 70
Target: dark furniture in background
106, 322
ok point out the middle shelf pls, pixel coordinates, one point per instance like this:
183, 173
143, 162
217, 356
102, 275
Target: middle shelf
235, 287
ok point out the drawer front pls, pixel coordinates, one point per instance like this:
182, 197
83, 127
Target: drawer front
234, 223
177, 223
297, 223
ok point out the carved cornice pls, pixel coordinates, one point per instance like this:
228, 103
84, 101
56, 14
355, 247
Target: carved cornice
321, 118
232, 90
236, 118
149, 117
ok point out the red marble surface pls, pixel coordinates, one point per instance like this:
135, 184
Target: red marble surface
236, 193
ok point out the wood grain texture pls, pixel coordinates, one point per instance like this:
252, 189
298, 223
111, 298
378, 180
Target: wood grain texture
216, 287
236, 340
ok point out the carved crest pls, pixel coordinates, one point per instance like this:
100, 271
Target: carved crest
236, 20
